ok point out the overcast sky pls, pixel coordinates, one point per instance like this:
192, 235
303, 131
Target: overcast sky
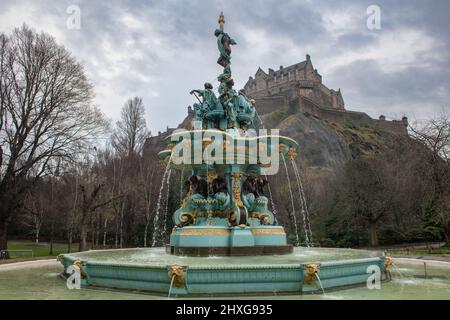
160, 50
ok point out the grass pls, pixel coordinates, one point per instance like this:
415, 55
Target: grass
277, 115
37, 250
431, 251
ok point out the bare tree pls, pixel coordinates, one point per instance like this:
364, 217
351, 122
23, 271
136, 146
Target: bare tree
34, 212
46, 114
434, 135
131, 131
3, 48
146, 175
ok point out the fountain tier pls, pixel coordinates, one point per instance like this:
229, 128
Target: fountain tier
225, 210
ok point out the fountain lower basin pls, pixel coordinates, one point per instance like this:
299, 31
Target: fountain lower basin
152, 269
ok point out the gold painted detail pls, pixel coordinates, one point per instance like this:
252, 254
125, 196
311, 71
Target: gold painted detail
59, 257
78, 264
263, 217
258, 232
388, 262
237, 188
292, 153
255, 214
206, 142
221, 20
312, 270
211, 176
187, 216
176, 273
205, 232
212, 214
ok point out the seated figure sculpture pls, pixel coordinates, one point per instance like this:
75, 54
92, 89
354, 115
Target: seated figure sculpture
255, 201
210, 102
219, 186
245, 111
197, 203
228, 98
192, 202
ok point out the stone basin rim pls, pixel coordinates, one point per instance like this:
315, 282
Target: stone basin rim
377, 256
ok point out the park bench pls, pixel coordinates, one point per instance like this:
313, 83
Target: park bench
4, 254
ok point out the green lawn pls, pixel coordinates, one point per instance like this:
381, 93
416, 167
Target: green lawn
36, 250
441, 250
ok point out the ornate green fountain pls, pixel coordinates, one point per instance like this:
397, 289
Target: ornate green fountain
225, 211
225, 238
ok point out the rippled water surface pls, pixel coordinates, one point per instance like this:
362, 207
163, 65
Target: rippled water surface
157, 256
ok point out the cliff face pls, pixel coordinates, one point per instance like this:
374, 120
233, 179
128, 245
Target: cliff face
327, 143
319, 144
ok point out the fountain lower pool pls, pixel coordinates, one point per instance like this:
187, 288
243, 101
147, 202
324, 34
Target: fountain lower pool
152, 269
40, 280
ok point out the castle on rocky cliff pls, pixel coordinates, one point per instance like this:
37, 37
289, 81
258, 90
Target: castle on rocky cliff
300, 87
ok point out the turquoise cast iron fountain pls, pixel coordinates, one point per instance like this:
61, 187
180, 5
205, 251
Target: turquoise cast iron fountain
225, 239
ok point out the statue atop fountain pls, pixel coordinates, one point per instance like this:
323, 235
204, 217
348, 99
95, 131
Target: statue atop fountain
224, 43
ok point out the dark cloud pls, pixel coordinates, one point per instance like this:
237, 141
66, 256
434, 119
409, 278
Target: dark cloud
162, 49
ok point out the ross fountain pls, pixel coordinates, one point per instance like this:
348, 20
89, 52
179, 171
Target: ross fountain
225, 239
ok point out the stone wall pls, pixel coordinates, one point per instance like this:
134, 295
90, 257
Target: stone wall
340, 116
270, 104
302, 104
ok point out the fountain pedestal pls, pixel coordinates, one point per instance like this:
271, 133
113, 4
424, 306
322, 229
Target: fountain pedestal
210, 240
241, 237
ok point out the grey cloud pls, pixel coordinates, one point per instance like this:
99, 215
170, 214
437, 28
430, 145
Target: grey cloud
176, 50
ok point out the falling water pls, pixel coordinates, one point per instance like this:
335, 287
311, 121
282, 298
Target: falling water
166, 207
259, 118
158, 206
171, 284
320, 284
398, 270
304, 207
292, 200
181, 184
272, 203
